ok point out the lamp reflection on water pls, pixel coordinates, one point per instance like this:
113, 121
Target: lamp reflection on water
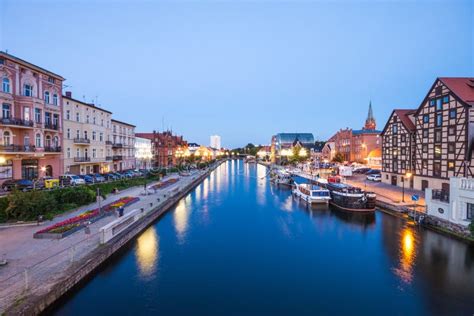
147, 252
181, 220
407, 255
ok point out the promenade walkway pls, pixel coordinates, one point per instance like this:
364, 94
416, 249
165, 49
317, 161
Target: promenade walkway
38, 263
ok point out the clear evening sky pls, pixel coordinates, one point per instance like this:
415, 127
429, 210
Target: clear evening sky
244, 69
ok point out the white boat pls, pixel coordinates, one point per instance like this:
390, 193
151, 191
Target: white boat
280, 176
311, 193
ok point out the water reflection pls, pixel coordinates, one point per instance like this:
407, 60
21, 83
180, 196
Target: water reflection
261, 184
147, 252
407, 255
181, 219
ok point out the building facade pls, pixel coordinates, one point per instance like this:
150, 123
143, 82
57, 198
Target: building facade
398, 148
215, 142
31, 122
164, 147
123, 146
86, 137
143, 153
283, 143
356, 145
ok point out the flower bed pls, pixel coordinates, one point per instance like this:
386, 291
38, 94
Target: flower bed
164, 184
73, 224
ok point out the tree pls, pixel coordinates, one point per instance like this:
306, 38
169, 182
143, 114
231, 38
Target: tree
338, 157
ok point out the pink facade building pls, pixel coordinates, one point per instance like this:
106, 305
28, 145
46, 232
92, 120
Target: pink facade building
31, 120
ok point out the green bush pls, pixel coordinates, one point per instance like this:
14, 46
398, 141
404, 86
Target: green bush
471, 227
3, 209
28, 205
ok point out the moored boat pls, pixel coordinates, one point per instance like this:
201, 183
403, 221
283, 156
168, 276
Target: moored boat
311, 193
280, 176
348, 197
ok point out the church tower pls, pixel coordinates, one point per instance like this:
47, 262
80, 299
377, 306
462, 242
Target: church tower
370, 121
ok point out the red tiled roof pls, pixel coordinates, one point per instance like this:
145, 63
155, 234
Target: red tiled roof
404, 116
463, 88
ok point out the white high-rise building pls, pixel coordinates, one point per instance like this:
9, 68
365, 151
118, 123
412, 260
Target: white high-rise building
216, 141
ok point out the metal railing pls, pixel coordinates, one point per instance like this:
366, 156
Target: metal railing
440, 195
17, 148
117, 157
52, 126
81, 140
16, 121
108, 158
117, 145
82, 159
108, 142
52, 149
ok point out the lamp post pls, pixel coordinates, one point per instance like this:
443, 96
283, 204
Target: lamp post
407, 176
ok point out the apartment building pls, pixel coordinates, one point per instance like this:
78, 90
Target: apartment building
123, 146
165, 146
31, 120
398, 148
87, 137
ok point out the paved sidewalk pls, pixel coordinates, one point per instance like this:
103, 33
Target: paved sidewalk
38, 263
386, 192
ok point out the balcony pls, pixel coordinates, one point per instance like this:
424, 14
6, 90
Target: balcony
108, 142
82, 141
108, 158
17, 122
116, 158
82, 159
49, 125
440, 195
117, 145
17, 148
52, 149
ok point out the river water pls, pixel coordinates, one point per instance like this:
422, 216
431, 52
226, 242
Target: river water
238, 245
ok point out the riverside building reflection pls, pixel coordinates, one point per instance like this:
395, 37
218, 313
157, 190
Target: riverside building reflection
147, 252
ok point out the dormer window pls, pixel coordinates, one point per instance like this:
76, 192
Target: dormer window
51, 79
46, 97
27, 90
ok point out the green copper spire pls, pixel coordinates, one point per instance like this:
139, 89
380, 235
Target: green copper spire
370, 116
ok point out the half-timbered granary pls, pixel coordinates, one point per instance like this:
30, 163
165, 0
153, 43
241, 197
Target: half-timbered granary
445, 133
398, 148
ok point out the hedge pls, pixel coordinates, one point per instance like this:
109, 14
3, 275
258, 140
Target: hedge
27, 206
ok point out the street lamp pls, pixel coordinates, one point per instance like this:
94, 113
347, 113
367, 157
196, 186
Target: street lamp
407, 176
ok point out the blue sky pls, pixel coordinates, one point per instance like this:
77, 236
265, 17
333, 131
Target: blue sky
244, 69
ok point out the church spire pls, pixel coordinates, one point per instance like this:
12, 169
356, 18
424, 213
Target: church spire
370, 121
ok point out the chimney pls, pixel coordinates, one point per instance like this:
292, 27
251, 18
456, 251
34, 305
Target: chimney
69, 94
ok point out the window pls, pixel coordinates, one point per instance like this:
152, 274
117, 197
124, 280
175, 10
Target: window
6, 111
51, 79
56, 120
439, 104
28, 90
404, 164
93, 120
446, 99
394, 129
394, 141
93, 135
69, 152
437, 169
452, 113
403, 138
425, 148
78, 117
46, 97
68, 115
395, 166
87, 119
439, 120
78, 135
78, 153
403, 151
470, 211
6, 138
437, 151
101, 122
432, 102
48, 141
26, 113
38, 116
94, 153
6, 85
26, 141
438, 136
426, 118
451, 165
425, 133
452, 130
101, 137
68, 133
85, 134
451, 148
38, 140
424, 164
55, 99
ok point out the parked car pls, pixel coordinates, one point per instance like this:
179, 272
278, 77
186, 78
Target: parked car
87, 178
98, 177
374, 177
22, 185
71, 179
362, 170
373, 171
110, 176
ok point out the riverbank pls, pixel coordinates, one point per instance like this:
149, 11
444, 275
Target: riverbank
31, 286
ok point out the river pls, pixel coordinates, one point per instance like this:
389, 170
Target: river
238, 245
